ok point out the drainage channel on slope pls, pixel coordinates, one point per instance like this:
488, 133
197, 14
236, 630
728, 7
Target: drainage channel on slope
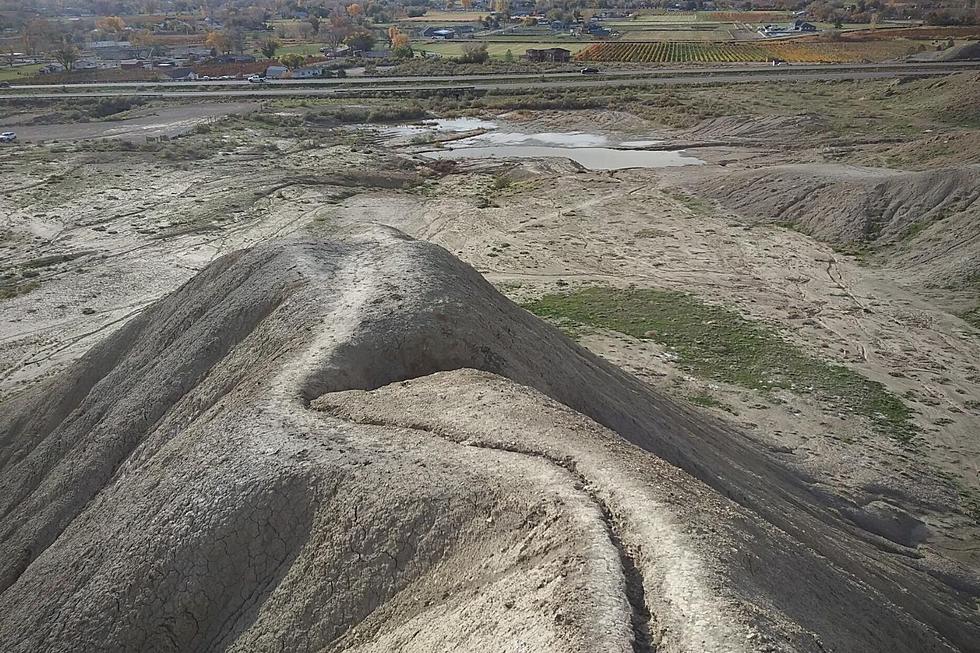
640, 616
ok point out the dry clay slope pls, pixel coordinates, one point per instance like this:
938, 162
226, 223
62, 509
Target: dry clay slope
360, 445
925, 222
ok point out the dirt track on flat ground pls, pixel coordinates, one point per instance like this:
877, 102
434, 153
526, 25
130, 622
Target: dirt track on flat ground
140, 125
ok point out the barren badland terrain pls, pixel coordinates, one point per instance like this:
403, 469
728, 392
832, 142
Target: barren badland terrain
620, 369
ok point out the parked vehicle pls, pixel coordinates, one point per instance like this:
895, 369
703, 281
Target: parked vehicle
8, 137
590, 71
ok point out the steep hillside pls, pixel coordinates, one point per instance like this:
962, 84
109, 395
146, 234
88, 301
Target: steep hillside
924, 222
360, 445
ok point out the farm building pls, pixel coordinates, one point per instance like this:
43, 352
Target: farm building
274, 72
308, 72
180, 74
548, 54
798, 26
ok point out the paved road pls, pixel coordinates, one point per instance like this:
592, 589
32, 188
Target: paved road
644, 73
293, 90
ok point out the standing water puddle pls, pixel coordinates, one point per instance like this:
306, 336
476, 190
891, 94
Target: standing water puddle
593, 151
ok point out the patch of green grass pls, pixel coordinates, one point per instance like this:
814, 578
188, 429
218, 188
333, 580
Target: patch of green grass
8, 74
719, 344
705, 400
860, 250
11, 290
696, 205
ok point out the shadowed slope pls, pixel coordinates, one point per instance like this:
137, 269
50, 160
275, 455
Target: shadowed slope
175, 489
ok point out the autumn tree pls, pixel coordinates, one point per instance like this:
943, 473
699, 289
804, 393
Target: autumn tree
111, 25
354, 10
218, 41
467, 4
269, 47
144, 42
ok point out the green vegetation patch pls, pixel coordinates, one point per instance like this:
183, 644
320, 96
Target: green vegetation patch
15, 289
717, 343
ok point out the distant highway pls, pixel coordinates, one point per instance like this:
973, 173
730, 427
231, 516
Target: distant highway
613, 73
357, 86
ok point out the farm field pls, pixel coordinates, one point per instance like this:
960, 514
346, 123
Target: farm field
305, 49
802, 52
745, 16
499, 48
680, 35
446, 17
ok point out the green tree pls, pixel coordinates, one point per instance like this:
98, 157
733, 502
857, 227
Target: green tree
509, 56
269, 48
360, 40
292, 60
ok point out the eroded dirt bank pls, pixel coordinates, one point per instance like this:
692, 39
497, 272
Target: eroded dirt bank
359, 444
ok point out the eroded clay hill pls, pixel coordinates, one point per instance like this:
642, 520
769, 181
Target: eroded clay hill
360, 445
927, 223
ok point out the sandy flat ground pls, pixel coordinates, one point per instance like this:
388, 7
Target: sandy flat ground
142, 124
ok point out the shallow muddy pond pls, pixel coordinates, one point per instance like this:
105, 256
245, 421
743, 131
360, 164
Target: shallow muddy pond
494, 139
445, 125
593, 158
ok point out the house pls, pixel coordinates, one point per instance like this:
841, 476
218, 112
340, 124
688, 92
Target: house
332, 53
190, 52
548, 54
275, 72
596, 30
798, 27
113, 50
308, 72
180, 74
226, 59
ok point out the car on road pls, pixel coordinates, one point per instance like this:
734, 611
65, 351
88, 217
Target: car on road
255, 79
8, 137
4, 84
590, 71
